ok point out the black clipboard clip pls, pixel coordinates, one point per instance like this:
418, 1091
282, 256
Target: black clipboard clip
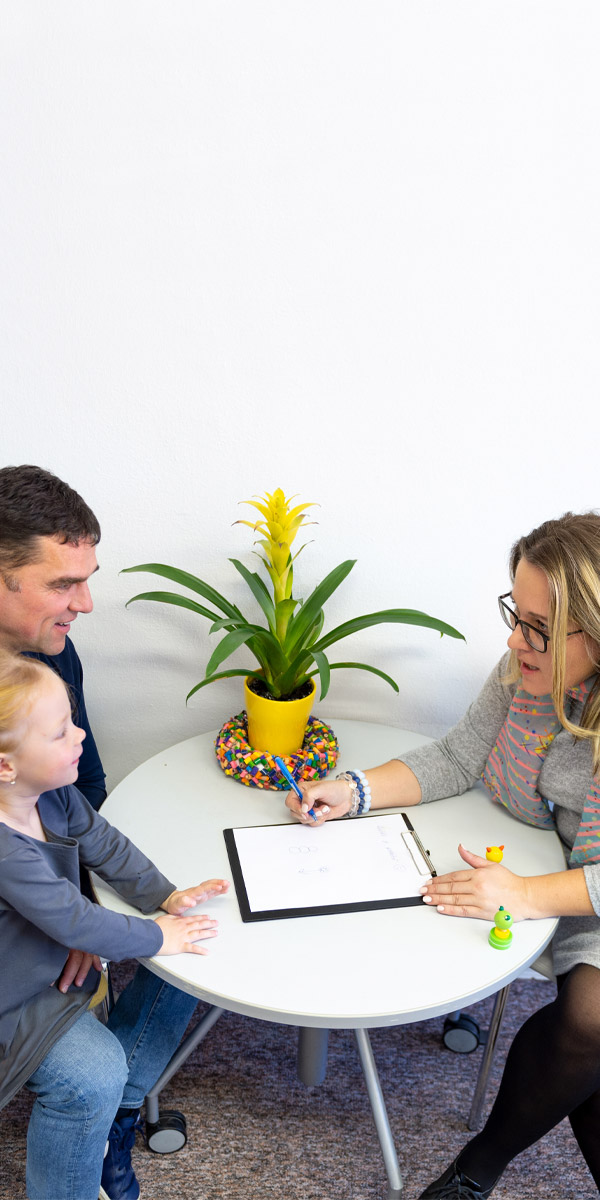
422, 851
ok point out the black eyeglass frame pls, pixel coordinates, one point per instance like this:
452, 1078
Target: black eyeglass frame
525, 625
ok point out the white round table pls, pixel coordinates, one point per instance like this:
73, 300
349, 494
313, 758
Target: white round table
350, 970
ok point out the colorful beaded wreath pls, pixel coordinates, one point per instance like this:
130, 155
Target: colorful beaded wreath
256, 768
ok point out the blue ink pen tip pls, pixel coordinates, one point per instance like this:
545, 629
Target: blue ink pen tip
290, 778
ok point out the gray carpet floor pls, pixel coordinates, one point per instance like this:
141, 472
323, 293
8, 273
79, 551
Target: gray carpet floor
256, 1133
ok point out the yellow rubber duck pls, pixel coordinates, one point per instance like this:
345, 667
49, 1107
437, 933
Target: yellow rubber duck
494, 853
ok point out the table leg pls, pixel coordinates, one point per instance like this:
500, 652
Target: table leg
187, 1046
474, 1121
312, 1055
380, 1116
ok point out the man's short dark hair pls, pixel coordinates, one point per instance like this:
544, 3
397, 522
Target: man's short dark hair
35, 503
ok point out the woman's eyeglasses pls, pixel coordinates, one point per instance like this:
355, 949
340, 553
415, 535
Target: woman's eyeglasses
534, 637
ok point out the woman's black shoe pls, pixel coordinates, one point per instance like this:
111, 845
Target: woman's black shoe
455, 1185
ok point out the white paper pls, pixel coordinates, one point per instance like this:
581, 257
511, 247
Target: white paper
343, 862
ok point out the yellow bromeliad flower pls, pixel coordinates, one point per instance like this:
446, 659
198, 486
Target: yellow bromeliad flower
278, 528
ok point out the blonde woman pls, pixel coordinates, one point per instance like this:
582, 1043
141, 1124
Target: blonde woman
533, 736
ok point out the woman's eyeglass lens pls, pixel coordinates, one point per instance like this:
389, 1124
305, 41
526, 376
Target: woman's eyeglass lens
534, 637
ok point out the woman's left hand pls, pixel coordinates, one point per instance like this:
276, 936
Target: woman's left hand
478, 892
178, 903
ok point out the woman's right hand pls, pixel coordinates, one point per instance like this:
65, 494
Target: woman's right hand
329, 798
180, 934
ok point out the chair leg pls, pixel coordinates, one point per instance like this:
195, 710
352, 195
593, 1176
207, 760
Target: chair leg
188, 1045
110, 996
474, 1121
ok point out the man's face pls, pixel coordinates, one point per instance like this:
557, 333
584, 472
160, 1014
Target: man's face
49, 595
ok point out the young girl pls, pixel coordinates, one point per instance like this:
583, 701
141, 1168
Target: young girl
533, 736
81, 1071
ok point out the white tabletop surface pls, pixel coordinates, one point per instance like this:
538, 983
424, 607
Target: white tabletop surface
364, 969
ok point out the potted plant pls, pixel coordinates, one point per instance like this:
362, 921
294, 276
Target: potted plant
289, 646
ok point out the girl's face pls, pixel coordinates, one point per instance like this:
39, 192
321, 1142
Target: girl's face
530, 601
48, 753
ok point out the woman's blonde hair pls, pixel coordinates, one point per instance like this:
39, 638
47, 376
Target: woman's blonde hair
19, 679
568, 552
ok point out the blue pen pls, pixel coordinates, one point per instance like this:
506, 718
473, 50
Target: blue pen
292, 782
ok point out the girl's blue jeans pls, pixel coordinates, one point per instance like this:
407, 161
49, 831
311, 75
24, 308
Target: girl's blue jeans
90, 1072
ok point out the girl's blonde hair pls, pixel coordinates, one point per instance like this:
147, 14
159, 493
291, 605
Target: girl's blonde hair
568, 552
19, 679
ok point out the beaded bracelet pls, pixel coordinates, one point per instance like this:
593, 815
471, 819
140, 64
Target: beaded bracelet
366, 789
360, 791
354, 793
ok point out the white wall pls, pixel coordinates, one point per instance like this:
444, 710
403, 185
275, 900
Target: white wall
345, 247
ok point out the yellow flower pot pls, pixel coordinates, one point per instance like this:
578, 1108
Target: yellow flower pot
277, 726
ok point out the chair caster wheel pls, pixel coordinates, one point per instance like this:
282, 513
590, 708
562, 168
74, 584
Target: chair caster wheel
462, 1034
168, 1134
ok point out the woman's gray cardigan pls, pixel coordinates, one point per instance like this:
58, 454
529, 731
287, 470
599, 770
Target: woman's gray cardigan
454, 763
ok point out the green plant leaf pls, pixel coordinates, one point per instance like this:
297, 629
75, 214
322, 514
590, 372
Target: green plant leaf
313, 634
307, 614
227, 623
227, 645
268, 651
323, 671
248, 672
364, 667
255, 637
285, 608
189, 581
180, 601
262, 659
391, 616
296, 672
259, 591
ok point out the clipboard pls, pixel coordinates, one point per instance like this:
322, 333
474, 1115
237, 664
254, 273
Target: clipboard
291, 870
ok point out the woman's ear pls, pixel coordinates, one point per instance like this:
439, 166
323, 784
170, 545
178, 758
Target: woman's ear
8, 773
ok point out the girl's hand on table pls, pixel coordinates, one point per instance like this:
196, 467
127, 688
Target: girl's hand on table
329, 799
178, 903
180, 934
479, 891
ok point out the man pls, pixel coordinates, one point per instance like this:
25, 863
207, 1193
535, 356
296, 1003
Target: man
48, 539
